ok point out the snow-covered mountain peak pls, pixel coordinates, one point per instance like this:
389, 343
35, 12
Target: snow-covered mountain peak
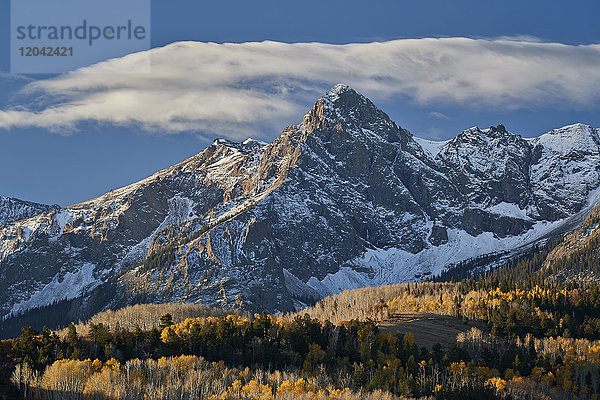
474, 130
352, 115
473, 135
345, 100
226, 143
573, 130
571, 138
335, 92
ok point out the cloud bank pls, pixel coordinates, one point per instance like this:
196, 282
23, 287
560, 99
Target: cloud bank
236, 89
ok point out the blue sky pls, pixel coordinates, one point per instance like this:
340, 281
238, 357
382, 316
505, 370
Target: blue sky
66, 166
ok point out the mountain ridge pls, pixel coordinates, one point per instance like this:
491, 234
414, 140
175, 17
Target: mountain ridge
12, 209
345, 198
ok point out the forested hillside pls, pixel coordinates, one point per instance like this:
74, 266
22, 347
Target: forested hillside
538, 339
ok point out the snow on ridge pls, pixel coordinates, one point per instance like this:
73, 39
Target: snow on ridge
509, 210
12, 209
563, 140
576, 127
251, 140
334, 93
344, 278
394, 265
297, 288
221, 142
214, 170
62, 217
431, 147
472, 130
72, 285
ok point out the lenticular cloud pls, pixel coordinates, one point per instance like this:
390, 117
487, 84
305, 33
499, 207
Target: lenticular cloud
233, 89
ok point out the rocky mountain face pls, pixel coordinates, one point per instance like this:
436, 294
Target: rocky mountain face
343, 199
12, 210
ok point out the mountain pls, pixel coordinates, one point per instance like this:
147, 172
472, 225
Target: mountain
12, 210
575, 255
346, 198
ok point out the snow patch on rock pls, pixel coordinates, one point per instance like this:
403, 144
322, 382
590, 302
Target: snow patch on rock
65, 287
431, 147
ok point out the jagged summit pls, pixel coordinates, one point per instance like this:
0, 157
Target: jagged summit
342, 99
346, 111
498, 131
222, 142
491, 132
245, 146
12, 209
336, 91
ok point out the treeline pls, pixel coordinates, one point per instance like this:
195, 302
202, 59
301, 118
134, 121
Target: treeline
182, 377
58, 315
269, 357
571, 310
521, 272
351, 304
570, 365
580, 262
526, 270
310, 357
338, 359
147, 316
465, 269
510, 307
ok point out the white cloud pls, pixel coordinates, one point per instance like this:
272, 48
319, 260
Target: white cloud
437, 114
237, 89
